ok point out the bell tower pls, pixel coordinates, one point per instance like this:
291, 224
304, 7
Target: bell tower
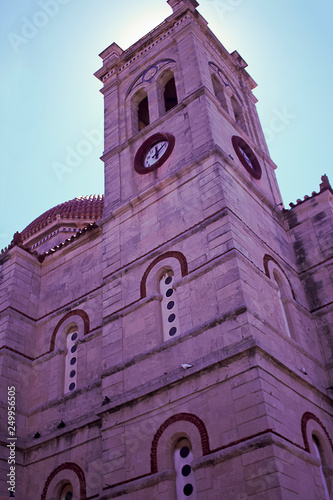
180, 80
207, 334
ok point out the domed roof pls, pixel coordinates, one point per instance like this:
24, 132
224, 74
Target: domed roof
89, 208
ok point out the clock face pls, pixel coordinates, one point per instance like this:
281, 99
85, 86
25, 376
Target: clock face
153, 152
247, 157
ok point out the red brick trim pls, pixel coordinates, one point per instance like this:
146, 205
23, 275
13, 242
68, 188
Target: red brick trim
75, 312
232, 443
310, 416
16, 310
86, 331
16, 352
70, 466
67, 305
267, 258
188, 417
177, 255
219, 213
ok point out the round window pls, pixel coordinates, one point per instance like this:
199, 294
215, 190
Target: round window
246, 156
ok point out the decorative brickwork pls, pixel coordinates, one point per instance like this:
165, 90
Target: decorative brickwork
76, 312
188, 417
16, 352
70, 466
310, 416
176, 255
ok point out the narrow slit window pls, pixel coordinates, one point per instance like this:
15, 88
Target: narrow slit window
170, 315
71, 361
185, 480
320, 455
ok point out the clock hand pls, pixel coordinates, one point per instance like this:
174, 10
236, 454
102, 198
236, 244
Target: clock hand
156, 153
245, 156
161, 147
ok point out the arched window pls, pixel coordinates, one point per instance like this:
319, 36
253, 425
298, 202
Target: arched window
160, 279
318, 442
320, 454
169, 306
66, 492
66, 482
283, 301
170, 94
143, 112
218, 88
283, 297
185, 480
238, 113
71, 360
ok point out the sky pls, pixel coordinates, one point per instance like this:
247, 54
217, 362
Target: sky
51, 108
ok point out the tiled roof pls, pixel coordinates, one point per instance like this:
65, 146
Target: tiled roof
73, 238
82, 207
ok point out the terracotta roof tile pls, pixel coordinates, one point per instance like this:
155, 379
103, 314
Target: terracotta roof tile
81, 207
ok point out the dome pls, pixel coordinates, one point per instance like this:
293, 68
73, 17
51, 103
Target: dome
86, 208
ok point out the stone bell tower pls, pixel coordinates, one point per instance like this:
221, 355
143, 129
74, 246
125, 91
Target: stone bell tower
212, 360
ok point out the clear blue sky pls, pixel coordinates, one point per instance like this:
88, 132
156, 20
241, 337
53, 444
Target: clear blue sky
50, 100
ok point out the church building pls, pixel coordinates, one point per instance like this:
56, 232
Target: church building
172, 338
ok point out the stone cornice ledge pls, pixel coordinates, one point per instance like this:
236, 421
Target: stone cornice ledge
193, 332
138, 484
90, 421
268, 438
223, 357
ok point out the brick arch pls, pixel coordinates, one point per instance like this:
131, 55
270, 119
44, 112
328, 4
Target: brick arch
268, 258
70, 466
76, 312
176, 255
188, 417
305, 418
